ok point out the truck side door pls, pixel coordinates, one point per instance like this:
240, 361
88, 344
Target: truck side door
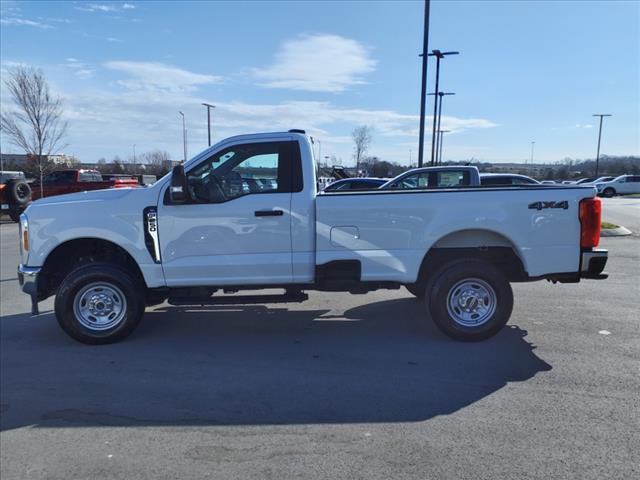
236, 229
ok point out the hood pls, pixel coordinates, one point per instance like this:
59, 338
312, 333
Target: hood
108, 194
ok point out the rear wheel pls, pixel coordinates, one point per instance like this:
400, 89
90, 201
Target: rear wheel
608, 192
99, 303
470, 300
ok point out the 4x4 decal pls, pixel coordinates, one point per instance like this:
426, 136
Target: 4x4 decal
542, 205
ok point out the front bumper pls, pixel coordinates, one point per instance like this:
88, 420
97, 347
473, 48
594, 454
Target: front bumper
28, 279
592, 263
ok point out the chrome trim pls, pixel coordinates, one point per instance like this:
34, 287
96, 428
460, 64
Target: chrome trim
28, 278
150, 216
29, 271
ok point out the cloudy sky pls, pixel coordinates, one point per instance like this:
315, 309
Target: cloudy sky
528, 71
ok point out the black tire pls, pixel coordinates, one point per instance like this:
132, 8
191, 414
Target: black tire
116, 281
18, 193
608, 192
416, 289
450, 286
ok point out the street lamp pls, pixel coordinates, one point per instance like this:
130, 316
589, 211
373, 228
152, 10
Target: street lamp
184, 136
423, 90
532, 145
209, 107
441, 136
599, 137
440, 94
439, 55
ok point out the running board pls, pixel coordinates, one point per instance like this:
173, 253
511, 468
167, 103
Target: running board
297, 297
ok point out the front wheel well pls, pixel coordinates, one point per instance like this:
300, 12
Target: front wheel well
73, 253
504, 259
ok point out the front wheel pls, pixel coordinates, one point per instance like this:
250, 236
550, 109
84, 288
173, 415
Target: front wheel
608, 192
470, 300
99, 303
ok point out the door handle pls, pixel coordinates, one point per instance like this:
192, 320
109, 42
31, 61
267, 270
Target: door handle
268, 213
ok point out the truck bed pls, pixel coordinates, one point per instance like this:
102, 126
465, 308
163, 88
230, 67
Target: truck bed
390, 231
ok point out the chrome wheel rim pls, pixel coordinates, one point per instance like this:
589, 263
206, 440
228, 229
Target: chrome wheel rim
471, 302
99, 306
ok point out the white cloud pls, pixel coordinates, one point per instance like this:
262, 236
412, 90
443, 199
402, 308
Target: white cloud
159, 76
81, 70
114, 40
15, 21
103, 7
317, 63
578, 125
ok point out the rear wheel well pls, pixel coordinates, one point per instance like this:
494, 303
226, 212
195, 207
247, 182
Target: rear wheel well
504, 259
69, 255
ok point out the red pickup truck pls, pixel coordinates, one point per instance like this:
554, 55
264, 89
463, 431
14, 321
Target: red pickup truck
73, 180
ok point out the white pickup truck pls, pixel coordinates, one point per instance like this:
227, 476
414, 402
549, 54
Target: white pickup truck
245, 214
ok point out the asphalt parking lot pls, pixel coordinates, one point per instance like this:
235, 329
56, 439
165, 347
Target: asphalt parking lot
341, 386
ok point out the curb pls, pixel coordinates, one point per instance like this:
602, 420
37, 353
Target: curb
615, 232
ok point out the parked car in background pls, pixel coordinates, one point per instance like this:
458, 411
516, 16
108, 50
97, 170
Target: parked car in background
364, 183
622, 185
15, 193
77, 180
547, 182
506, 179
598, 180
435, 177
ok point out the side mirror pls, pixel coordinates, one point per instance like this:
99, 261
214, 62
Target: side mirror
179, 190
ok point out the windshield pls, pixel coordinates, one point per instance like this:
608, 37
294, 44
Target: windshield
5, 176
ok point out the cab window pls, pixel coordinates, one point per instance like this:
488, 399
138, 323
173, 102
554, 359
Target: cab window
248, 169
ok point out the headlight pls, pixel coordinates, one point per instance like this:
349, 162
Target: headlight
24, 233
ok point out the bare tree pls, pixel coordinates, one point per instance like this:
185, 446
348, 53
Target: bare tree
362, 139
157, 161
36, 125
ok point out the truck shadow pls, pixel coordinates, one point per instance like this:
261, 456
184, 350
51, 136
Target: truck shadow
254, 366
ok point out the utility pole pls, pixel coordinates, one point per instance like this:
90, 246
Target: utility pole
439, 55
423, 90
441, 135
599, 137
532, 145
209, 107
184, 136
440, 94
409, 158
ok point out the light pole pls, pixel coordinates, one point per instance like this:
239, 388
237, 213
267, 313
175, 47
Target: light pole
599, 137
209, 107
440, 94
439, 55
134, 153
441, 135
423, 90
532, 145
184, 136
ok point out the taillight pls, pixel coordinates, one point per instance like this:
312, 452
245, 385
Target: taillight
590, 218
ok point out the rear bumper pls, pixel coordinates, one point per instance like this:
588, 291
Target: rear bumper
592, 263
